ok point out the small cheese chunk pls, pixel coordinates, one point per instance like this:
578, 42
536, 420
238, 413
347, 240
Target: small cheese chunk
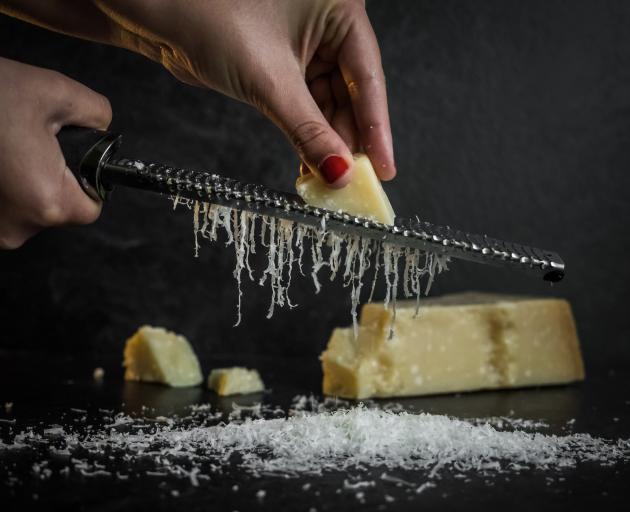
456, 343
235, 381
154, 354
363, 196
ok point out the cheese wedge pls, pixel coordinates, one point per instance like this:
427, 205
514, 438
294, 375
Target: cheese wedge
154, 354
235, 381
461, 342
363, 196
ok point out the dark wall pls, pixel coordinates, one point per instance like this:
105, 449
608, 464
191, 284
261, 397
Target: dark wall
509, 117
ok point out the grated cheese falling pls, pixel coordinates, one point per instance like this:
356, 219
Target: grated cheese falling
286, 244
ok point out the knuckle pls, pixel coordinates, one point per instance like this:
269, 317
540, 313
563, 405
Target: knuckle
105, 108
12, 238
8, 242
46, 208
49, 214
355, 6
90, 213
348, 15
54, 214
368, 80
305, 134
57, 85
348, 8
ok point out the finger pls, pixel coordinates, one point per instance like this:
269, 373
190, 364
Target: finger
360, 64
65, 203
76, 104
343, 123
78, 207
295, 111
328, 97
319, 67
13, 234
322, 93
339, 89
343, 120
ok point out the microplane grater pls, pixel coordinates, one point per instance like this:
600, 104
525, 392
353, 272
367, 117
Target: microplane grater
90, 154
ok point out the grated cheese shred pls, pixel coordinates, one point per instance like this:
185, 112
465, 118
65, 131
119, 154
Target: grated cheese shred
286, 244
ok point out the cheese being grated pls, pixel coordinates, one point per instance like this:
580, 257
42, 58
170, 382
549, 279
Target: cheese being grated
287, 242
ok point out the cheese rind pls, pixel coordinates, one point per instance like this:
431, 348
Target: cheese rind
235, 381
154, 354
460, 343
363, 196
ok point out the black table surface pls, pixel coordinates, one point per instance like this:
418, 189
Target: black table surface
44, 389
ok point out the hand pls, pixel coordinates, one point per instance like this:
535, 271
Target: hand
312, 66
36, 188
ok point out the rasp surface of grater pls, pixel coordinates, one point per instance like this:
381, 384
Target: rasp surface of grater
98, 171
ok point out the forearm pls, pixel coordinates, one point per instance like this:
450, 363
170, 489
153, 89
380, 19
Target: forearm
105, 21
79, 18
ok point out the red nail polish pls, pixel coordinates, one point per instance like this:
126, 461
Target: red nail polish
333, 168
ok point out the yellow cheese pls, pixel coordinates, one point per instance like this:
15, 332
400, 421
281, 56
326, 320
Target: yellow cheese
235, 381
363, 196
154, 354
456, 343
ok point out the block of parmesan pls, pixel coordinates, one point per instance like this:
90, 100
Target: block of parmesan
154, 354
235, 381
461, 342
363, 196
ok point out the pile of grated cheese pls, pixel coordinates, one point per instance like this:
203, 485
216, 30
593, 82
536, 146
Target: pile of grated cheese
312, 439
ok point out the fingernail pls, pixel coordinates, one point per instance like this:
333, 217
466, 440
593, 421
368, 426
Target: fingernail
332, 168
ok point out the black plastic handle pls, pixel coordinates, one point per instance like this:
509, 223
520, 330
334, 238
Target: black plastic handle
86, 151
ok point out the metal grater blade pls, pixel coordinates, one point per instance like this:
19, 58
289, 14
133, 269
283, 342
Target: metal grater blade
212, 188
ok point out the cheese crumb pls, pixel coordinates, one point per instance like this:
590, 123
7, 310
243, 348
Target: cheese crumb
154, 354
235, 381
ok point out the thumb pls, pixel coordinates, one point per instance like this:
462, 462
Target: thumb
319, 146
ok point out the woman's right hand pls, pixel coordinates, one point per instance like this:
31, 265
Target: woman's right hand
37, 189
312, 66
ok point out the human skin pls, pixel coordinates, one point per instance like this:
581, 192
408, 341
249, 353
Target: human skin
312, 66
37, 189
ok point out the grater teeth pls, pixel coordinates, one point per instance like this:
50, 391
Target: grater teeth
212, 188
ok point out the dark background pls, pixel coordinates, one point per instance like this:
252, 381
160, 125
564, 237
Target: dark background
510, 118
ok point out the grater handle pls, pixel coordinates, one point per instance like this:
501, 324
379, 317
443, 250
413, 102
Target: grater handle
86, 150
